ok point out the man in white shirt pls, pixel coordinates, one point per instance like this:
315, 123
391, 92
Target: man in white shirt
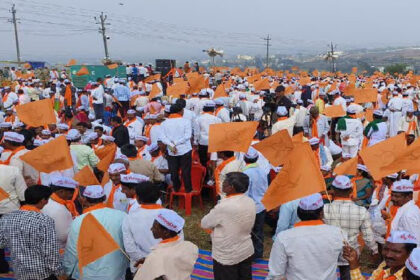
115, 198
351, 133
311, 249
176, 134
173, 258
231, 223
137, 236
201, 130
11, 182
339, 100
98, 101
395, 107
134, 126
316, 125
9, 98
408, 214
377, 130
143, 73
63, 189
409, 124
221, 112
283, 121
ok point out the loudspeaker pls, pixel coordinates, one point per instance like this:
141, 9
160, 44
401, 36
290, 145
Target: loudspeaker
165, 65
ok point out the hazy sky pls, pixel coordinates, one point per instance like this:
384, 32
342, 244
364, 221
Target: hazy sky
142, 30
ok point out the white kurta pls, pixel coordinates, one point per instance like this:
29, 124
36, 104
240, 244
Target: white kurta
137, 236
306, 253
408, 219
174, 261
62, 220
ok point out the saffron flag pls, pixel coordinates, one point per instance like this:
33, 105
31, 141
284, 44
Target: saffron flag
102, 152
3, 194
262, 84
408, 159
178, 88
94, 241
155, 91
197, 83
348, 167
235, 136
55, 155
112, 66
276, 147
383, 154
299, 177
83, 71
334, 111
298, 138
86, 177
37, 113
220, 91
72, 62
365, 95
151, 78
107, 158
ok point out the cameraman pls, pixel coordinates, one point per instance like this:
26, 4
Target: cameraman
281, 99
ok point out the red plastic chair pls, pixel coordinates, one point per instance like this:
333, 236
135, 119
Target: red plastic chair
198, 172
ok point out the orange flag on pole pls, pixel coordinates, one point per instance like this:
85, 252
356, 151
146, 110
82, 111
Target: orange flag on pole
408, 159
94, 242
83, 71
107, 159
72, 62
196, 84
348, 167
297, 138
177, 89
383, 154
55, 155
155, 91
85, 177
299, 177
263, 84
151, 78
235, 136
334, 111
37, 113
3, 194
102, 152
276, 147
220, 91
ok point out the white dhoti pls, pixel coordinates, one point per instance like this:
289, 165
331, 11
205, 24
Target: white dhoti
350, 149
394, 121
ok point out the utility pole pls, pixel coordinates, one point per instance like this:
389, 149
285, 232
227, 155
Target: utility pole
102, 30
268, 39
333, 58
14, 21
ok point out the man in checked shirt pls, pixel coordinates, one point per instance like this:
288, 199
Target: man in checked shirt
351, 218
31, 238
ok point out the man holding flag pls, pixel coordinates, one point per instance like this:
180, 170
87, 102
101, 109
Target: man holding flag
104, 264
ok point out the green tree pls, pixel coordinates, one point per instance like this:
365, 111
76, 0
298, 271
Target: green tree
399, 68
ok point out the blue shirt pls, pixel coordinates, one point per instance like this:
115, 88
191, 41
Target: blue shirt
122, 93
258, 184
111, 266
287, 216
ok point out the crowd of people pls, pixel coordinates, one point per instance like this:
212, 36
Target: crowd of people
156, 138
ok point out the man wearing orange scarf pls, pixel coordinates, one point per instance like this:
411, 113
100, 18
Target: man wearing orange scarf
397, 249
60, 206
409, 124
114, 196
316, 125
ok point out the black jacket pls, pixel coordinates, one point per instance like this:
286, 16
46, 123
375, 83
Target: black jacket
120, 133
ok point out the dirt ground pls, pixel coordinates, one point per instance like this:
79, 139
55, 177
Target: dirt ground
194, 233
